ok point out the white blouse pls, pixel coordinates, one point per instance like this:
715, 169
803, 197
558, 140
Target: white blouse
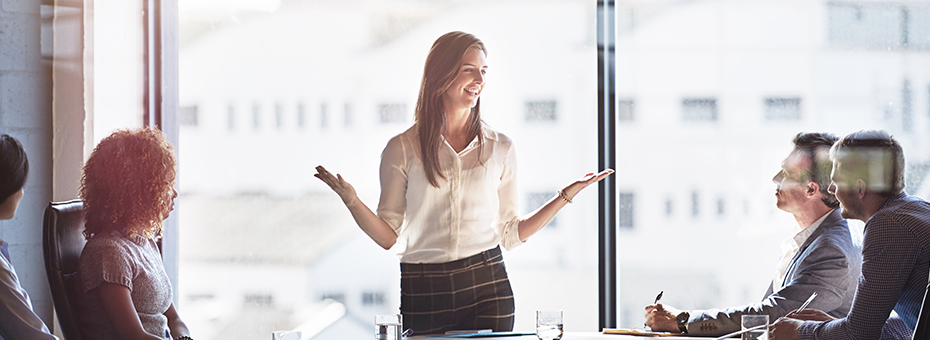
474, 208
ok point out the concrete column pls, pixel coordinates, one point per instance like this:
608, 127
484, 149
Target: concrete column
25, 113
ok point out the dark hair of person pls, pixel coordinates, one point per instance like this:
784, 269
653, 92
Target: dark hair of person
128, 183
442, 66
816, 145
858, 154
14, 166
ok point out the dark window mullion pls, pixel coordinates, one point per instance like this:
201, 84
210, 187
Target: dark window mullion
607, 188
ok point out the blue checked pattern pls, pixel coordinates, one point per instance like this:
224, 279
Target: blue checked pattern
895, 267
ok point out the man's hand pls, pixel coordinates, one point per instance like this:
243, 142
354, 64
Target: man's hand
811, 315
662, 318
785, 328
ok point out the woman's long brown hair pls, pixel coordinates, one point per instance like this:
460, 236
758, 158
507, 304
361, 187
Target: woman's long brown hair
442, 66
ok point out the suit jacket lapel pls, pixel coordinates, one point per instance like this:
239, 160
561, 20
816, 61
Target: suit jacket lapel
831, 220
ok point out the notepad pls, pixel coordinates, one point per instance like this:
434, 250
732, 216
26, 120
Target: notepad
634, 331
469, 331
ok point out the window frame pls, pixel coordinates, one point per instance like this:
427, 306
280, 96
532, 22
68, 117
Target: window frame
606, 24
162, 102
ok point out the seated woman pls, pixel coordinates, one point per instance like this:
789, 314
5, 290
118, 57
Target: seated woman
17, 320
128, 190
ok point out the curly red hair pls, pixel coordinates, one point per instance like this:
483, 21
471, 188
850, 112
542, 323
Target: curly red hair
128, 184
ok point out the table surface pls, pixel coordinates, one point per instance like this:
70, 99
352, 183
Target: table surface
566, 336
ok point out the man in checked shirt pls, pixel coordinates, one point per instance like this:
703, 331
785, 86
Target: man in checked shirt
868, 180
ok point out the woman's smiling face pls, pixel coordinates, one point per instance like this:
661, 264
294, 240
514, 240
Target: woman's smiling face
469, 82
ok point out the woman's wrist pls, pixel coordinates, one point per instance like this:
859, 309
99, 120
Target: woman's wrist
350, 201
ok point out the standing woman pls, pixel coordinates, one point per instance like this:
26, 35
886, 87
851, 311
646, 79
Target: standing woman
17, 320
128, 190
449, 194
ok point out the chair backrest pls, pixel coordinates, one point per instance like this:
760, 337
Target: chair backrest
63, 240
922, 331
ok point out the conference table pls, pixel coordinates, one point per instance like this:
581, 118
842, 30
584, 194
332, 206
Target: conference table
566, 336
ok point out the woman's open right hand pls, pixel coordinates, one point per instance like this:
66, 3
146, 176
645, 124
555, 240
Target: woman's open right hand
338, 184
371, 224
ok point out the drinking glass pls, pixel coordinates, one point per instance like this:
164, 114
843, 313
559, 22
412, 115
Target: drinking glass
750, 321
388, 326
549, 324
285, 335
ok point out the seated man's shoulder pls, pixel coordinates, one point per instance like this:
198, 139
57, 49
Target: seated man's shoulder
837, 235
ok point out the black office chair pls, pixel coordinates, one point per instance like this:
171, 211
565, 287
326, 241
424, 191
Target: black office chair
63, 240
922, 331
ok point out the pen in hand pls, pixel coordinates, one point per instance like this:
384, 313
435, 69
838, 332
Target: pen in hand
647, 328
806, 303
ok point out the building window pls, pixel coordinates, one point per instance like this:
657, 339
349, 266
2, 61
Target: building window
782, 108
699, 110
231, 117
534, 200
278, 115
256, 116
259, 300
200, 297
626, 209
347, 109
878, 26
372, 298
323, 118
338, 297
695, 203
187, 115
301, 115
541, 111
918, 26
625, 111
392, 113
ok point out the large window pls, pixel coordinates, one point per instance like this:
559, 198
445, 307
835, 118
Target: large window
720, 89
272, 89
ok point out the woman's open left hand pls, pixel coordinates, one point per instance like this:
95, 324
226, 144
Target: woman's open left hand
590, 178
337, 183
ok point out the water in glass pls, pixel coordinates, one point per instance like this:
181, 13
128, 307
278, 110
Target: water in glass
387, 331
549, 332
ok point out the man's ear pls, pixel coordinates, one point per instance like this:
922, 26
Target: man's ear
860, 187
812, 188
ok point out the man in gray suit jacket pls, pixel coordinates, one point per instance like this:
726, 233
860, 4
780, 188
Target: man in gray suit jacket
821, 258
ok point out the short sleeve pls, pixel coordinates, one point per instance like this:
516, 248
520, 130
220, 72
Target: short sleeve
508, 219
393, 173
105, 260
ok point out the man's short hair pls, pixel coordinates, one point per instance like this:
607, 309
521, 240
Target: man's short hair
874, 157
816, 145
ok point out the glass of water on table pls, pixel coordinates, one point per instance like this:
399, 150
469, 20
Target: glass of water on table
760, 322
388, 326
549, 324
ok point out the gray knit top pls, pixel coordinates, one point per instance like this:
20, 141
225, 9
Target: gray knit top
131, 262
